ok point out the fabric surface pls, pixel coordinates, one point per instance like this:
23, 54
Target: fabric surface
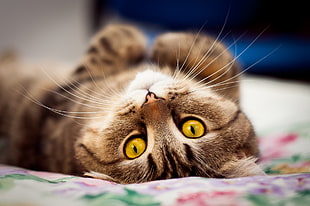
285, 157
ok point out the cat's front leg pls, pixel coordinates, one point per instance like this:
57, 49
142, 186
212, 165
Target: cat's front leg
201, 57
114, 48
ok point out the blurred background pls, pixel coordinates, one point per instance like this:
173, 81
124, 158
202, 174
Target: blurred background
60, 29
275, 41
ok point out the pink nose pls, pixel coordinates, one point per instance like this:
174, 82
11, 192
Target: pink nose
150, 98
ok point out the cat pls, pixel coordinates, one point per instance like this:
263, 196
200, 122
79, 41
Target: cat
129, 115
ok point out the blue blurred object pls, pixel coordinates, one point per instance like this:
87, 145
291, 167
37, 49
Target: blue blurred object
180, 14
276, 53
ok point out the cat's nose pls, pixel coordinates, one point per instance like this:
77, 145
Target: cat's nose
150, 98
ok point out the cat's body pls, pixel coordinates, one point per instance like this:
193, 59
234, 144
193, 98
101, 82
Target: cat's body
120, 118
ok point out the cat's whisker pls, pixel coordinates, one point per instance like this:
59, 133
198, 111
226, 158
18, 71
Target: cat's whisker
176, 72
190, 49
208, 53
235, 58
218, 77
80, 93
60, 112
104, 80
31, 97
192, 72
203, 164
87, 93
92, 103
111, 89
82, 87
67, 91
224, 88
230, 64
213, 60
246, 69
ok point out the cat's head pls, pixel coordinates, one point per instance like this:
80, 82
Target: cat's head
167, 126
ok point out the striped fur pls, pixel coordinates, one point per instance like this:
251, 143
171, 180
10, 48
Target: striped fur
81, 124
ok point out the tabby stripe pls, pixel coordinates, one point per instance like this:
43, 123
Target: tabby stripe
90, 153
93, 61
151, 162
127, 32
230, 122
166, 169
189, 153
80, 69
107, 61
173, 165
92, 50
105, 43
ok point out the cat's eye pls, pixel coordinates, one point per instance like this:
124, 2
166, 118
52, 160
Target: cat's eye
193, 128
134, 147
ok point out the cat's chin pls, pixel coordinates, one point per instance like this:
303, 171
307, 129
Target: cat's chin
242, 168
101, 176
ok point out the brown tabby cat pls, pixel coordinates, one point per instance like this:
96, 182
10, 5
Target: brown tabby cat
121, 118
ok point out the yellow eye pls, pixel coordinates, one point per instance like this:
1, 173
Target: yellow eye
135, 147
193, 128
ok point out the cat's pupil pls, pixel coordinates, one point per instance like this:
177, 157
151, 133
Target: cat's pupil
193, 130
135, 149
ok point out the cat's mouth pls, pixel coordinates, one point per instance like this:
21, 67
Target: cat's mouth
146, 80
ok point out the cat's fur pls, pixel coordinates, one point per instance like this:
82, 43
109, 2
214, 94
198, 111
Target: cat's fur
82, 125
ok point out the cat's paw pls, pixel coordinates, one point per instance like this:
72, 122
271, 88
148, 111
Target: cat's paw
191, 50
123, 42
113, 48
171, 47
200, 55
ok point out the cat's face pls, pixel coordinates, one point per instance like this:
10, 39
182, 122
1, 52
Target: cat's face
165, 127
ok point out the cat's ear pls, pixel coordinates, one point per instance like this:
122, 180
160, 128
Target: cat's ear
241, 168
206, 59
101, 176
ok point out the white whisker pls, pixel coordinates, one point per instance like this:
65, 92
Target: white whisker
233, 60
60, 112
205, 56
214, 59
